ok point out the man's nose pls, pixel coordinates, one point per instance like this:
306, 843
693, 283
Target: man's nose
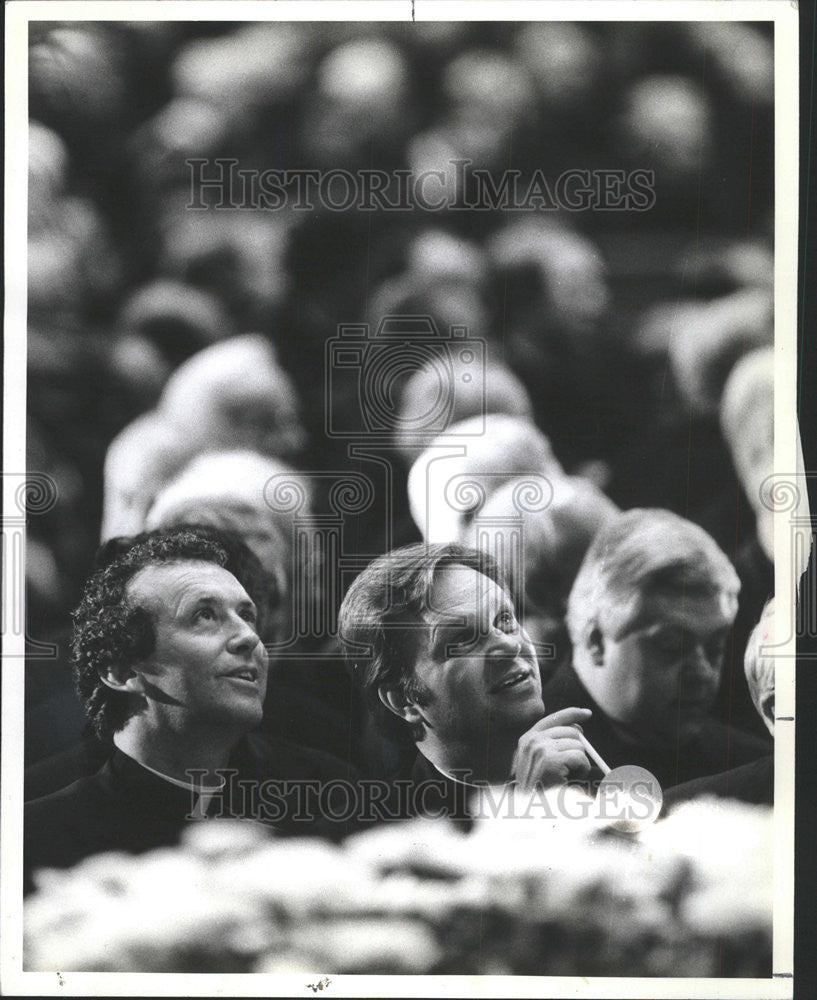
504, 644
699, 665
244, 638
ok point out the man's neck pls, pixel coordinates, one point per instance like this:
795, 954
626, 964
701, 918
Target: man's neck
175, 756
488, 762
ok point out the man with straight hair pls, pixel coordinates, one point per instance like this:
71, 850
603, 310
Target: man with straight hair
650, 617
752, 782
432, 637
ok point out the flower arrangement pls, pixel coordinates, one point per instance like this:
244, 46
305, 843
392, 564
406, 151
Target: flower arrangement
688, 896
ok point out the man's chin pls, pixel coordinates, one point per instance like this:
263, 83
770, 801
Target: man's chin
241, 719
537, 710
521, 716
666, 729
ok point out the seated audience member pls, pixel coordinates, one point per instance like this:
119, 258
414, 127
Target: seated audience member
541, 550
90, 752
489, 105
747, 427
714, 336
228, 490
760, 668
747, 422
559, 334
441, 257
171, 318
495, 389
431, 636
234, 394
484, 450
567, 64
139, 462
672, 117
437, 264
362, 107
701, 341
752, 782
308, 697
171, 668
726, 266
235, 253
564, 269
650, 616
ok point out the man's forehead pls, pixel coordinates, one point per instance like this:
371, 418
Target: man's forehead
461, 589
162, 583
697, 611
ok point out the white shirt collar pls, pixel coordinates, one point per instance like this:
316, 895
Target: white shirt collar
450, 777
187, 785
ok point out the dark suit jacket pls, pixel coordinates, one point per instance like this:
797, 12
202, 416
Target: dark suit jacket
125, 807
708, 747
425, 791
430, 793
752, 783
61, 769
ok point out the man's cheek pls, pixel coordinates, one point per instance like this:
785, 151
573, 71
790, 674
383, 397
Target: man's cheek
637, 685
528, 650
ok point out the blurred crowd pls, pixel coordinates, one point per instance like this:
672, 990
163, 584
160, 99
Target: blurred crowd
178, 358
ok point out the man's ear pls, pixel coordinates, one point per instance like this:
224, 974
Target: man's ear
595, 645
121, 677
395, 701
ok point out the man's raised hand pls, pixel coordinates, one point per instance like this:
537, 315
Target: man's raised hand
551, 751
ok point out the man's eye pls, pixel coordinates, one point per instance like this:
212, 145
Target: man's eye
205, 614
249, 616
506, 621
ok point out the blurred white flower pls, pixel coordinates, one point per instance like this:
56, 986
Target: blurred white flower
404, 947
729, 846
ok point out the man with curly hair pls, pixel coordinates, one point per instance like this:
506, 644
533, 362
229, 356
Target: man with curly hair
170, 667
90, 752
